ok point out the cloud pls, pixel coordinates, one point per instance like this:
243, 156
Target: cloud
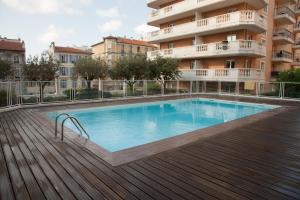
86, 2
110, 26
142, 30
43, 6
110, 13
55, 34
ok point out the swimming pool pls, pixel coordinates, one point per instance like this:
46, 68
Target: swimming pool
121, 127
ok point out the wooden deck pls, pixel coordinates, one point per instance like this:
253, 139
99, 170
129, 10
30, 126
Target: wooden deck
257, 161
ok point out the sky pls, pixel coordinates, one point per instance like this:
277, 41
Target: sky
71, 22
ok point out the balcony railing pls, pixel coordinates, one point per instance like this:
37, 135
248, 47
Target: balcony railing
242, 74
247, 18
219, 49
283, 34
282, 55
192, 5
285, 12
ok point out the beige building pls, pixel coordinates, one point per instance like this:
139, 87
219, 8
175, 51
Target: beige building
13, 51
67, 56
226, 40
113, 48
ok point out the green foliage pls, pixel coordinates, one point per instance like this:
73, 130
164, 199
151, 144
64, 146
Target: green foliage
3, 98
130, 68
90, 69
43, 68
6, 69
292, 75
162, 68
88, 94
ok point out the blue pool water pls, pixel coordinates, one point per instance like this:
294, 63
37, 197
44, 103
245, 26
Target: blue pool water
120, 127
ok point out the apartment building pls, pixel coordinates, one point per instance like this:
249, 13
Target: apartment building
67, 56
227, 40
113, 48
13, 51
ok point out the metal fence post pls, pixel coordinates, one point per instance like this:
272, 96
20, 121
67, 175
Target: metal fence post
237, 88
219, 87
162, 88
124, 89
177, 86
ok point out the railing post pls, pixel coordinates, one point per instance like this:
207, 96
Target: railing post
144, 87
219, 87
237, 88
124, 89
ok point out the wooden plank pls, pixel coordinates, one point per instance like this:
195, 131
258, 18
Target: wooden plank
17, 181
6, 190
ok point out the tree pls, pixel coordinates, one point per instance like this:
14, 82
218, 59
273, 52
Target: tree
163, 69
43, 70
130, 69
91, 69
292, 82
6, 69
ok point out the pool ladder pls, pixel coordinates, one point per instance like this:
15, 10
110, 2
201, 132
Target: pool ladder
74, 121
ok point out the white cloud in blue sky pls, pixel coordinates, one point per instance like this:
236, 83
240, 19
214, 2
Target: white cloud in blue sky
71, 22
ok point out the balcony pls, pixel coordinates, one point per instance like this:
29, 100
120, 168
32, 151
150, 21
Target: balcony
188, 7
297, 27
297, 43
282, 56
157, 3
234, 75
283, 36
220, 49
297, 9
296, 61
284, 15
246, 19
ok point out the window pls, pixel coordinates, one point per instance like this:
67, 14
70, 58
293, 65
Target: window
231, 38
262, 65
138, 49
230, 64
64, 71
122, 49
194, 42
63, 83
16, 60
130, 49
63, 58
248, 64
171, 45
193, 64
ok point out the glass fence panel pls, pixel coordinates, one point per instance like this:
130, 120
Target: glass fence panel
86, 90
228, 88
270, 89
171, 87
4, 94
135, 88
153, 88
212, 87
291, 90
248, 88
30, 91
50, 92
113, 89
184, 87
197, 87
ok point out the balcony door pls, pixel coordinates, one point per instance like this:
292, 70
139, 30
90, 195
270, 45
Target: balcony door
231, 38
230, 64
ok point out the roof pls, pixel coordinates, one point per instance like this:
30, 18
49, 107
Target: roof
127, 41
71, 50
12, 45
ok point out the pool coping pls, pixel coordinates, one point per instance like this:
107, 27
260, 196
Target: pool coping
139, 152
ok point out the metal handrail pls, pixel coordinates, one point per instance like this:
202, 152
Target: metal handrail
72, 120
56, 123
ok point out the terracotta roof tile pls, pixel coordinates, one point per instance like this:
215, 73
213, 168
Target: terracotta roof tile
71, 50
11, 45
135, 42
